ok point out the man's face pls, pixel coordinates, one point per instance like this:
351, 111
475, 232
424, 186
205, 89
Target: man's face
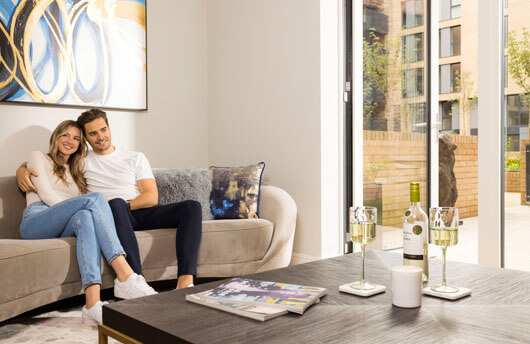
98, 135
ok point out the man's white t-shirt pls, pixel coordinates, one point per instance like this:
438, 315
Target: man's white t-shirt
116, 174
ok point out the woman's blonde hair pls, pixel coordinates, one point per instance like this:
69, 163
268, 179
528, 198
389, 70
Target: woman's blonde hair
76, 161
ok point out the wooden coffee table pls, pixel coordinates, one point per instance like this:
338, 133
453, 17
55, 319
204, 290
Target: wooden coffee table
498, 311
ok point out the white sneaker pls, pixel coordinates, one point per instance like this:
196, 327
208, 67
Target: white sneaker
135, 286
94, 315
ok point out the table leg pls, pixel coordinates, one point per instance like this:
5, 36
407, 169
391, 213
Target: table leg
104, 332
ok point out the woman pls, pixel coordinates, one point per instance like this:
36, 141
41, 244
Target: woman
62, 208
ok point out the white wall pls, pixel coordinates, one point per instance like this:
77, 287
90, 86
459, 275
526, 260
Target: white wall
231, 82
265, 89
173, 132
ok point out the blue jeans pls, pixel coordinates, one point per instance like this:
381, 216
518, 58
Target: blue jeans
89, 219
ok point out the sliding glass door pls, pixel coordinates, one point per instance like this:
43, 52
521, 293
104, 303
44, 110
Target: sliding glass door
516, 73
428, 106
394, 111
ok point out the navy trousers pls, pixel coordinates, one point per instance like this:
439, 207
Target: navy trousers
185, 216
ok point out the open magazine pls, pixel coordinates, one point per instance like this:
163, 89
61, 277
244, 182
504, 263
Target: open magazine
291, 297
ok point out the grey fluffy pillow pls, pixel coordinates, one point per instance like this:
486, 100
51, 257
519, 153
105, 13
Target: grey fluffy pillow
180, 184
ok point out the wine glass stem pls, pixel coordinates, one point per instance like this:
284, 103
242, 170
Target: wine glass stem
444, 249
362, 264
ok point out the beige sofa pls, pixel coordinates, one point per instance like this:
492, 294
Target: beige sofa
34, 273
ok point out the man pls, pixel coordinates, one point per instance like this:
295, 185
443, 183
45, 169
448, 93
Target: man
126, 180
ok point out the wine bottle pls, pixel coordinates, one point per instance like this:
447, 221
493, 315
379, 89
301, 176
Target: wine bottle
415, 236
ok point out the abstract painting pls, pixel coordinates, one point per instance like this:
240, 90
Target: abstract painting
74, 52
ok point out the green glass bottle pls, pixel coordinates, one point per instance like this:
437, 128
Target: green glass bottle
415, 234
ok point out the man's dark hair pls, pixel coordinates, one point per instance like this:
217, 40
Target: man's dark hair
89, 116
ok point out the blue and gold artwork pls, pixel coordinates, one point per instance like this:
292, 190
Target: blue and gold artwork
235, 191
74, 52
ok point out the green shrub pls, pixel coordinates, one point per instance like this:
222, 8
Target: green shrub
513, 164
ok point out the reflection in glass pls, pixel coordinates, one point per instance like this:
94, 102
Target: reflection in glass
394, 110
412, 13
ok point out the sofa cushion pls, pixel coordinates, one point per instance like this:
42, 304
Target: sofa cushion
248, 240
236, 191
48, 263
181, 184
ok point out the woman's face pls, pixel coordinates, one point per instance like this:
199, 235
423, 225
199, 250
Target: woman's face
69, 142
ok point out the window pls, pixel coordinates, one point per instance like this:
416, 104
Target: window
505, 34
517, 112
412, 13
413, 83
450, 41
450, 9
418, 117
413, 48
450, 116
474, 119
505, 68
449, 74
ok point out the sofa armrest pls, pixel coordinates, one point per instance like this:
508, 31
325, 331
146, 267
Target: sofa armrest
277, 206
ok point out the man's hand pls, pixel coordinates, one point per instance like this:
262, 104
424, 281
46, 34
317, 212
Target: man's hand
23, 178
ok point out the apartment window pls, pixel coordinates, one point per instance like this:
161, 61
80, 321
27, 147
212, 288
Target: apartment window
450, 116
413, 83
505, 69
474, 119
450, 41
449, 74
418, 117
450, 9
412, 13
413, 48
517, 112
505, 33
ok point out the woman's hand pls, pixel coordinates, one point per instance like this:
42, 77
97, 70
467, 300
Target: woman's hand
23, 178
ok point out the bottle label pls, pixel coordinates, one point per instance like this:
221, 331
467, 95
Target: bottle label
413, 235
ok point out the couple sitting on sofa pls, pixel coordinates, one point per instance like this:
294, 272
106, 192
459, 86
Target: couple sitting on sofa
59, 205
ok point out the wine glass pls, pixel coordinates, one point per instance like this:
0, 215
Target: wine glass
443, 233
362, 230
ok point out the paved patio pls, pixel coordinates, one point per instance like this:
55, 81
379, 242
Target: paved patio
517, 236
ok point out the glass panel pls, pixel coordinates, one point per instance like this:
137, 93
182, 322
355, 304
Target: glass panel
411, 12
394, 112
413, 83
505, 35
517, 144
413, 48
450, 116
445, 9
455, 12
445, 78
458, 183
445, 42
474, 119
455, 40
455, 75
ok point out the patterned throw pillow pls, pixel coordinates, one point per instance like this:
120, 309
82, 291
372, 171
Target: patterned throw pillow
235, 191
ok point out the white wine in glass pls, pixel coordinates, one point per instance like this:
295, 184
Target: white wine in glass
362, 230
444, 233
